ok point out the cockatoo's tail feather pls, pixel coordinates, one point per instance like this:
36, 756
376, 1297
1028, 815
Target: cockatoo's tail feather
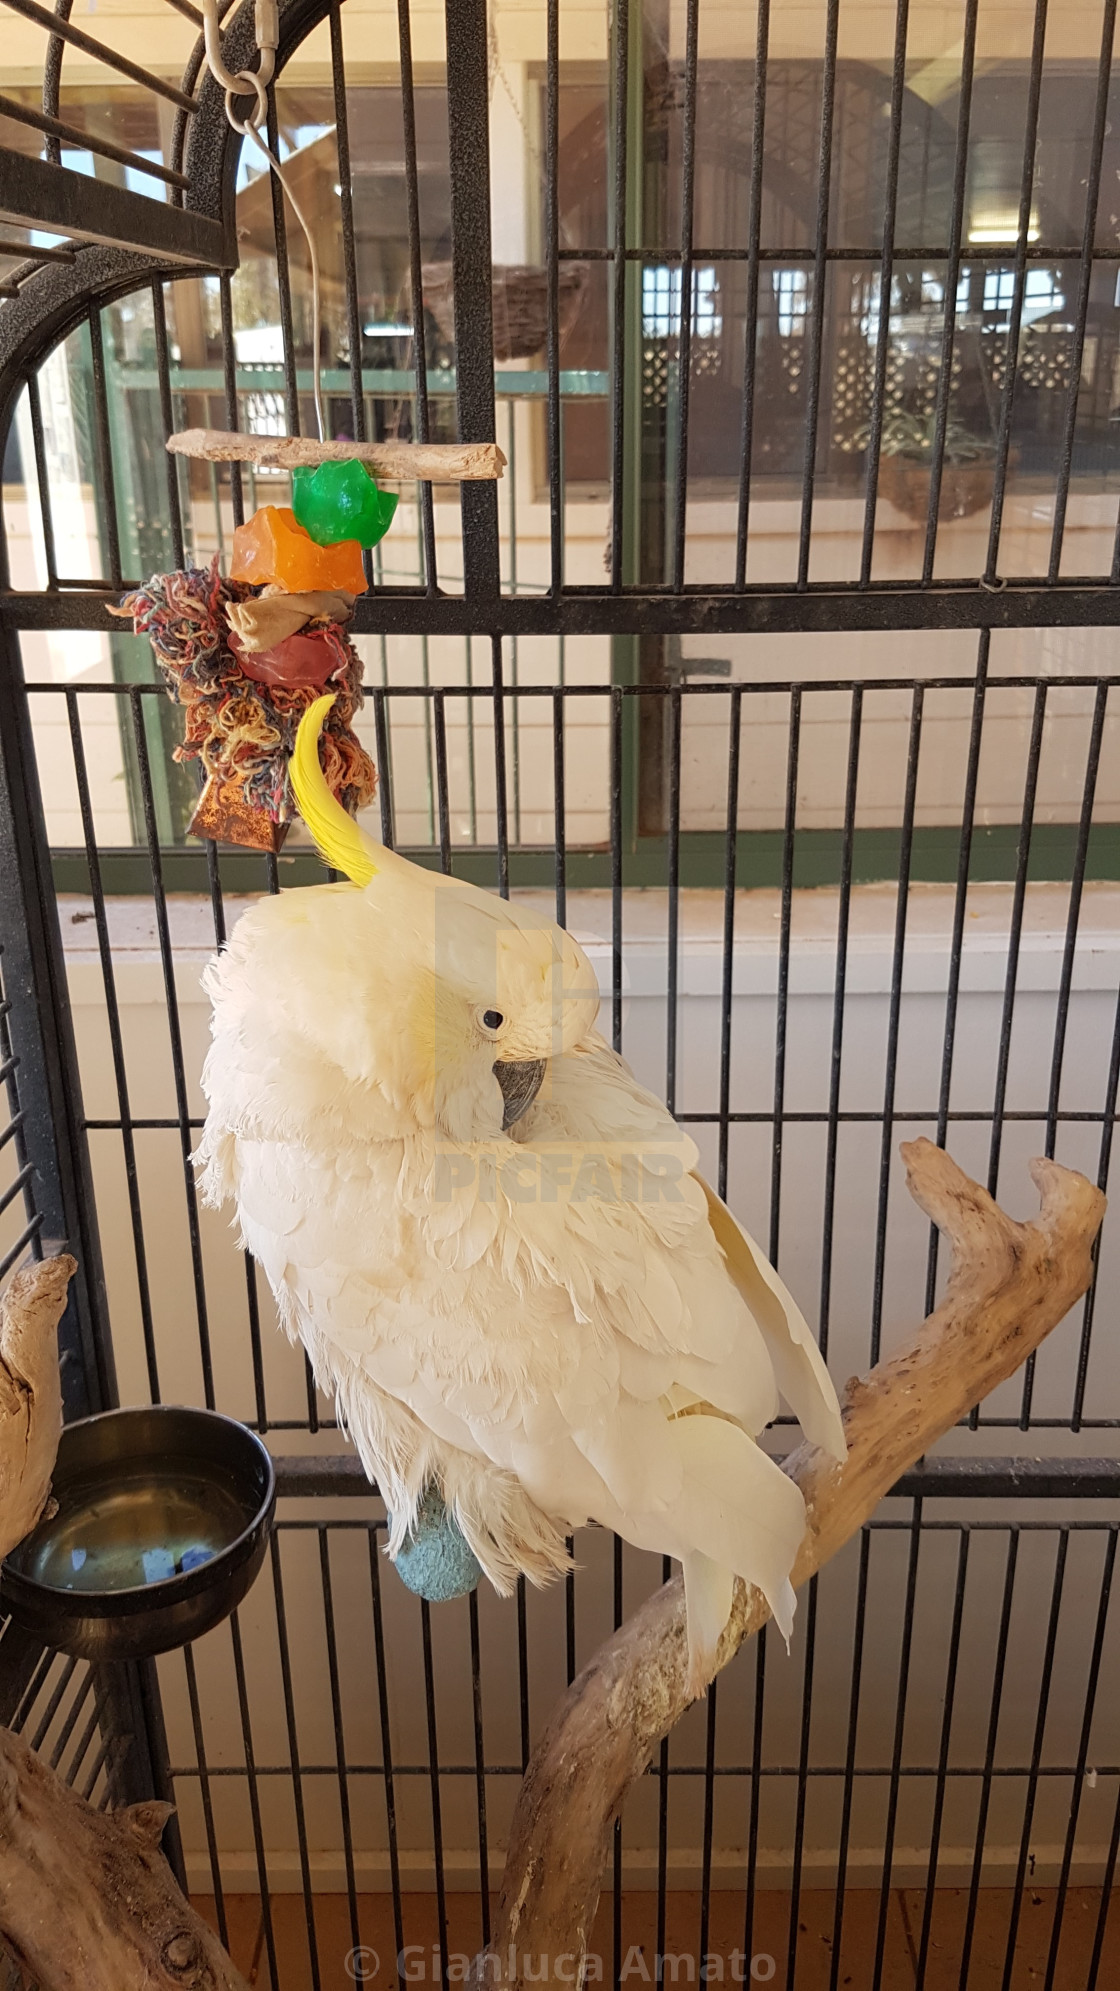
336, 834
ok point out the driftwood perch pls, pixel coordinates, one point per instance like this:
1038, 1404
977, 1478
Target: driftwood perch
87, 1900
398, 462
30, 1398
1009, 1285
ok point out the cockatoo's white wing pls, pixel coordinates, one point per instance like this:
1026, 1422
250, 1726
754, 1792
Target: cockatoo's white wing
597, 1094
799, 1366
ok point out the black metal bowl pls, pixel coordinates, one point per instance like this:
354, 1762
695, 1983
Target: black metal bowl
162, 1523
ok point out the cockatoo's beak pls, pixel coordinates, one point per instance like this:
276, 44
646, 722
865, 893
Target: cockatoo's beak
520, 1085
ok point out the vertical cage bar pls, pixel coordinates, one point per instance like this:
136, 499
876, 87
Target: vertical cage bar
820, 292
558, 806
42, 478
444, 807
899, 1736
755, 1807
386, 1739
952, 278
479, 1767
229, 380
294, 1759
956, 943
662, 1816
468, 107
339, 1736
523, 1670
730, 845
552, 262
894, 1019
839, 994
253, 1312
167, 422
620, 63
850, 1756
253, 1790
708, 1829
1103, 1913
616, 1890
1084, 287
963, 1543
750, 309
1036, 1751
1015, 319
433, 1782
346, 215
684, 337
1088, 1711
673, 882
886, 279
995, 1708
104, 447
802, 1786
283, 274
384, 765
416, 281
174, 1028
1015, 934
501, 802
205, 1793
116, 1042
781, 1018
616, 866
1108, 1125
1076, 885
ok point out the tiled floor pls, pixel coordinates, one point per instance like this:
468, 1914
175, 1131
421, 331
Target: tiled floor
339, 1968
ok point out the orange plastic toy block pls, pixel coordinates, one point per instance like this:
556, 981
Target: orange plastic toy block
273, 546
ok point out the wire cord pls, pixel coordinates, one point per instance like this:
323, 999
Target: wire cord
255, 82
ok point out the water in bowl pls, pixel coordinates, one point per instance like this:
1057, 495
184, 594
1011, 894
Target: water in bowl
134, 1533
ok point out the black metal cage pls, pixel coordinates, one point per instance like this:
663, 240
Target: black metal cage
782, 663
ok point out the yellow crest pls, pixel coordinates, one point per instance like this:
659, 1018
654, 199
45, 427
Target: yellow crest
340, 841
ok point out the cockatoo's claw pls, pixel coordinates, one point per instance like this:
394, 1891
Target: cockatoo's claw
520, 1085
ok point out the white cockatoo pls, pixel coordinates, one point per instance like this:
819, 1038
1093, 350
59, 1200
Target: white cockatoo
492, 1241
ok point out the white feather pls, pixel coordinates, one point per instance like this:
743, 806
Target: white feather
557, 1324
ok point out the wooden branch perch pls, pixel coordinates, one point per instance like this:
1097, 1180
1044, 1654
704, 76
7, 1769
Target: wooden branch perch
30, 1397
1009, 1285
398, 462
87, 1900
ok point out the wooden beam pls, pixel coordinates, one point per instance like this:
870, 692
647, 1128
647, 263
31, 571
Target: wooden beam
399, 462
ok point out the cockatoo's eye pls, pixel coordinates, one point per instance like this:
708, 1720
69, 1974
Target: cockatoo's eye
492, 1021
